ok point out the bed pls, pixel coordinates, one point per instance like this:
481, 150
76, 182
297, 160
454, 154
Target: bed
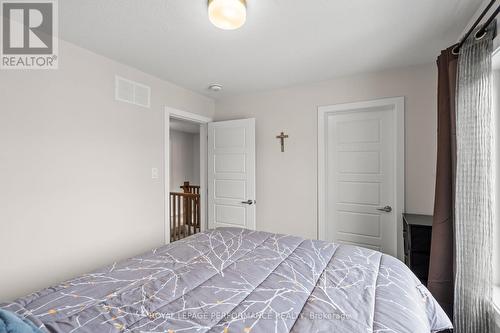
236, 280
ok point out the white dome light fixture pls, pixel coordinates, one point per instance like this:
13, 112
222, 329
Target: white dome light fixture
227, 14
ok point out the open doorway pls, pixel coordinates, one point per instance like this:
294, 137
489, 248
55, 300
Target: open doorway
185, 174
225, 160
185, 213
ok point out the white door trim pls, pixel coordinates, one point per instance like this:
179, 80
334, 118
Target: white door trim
203, 121
399, 110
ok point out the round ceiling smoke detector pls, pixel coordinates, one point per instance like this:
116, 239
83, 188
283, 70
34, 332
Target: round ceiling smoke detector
215, 87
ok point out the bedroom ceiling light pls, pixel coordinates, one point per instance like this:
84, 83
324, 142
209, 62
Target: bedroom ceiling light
227, 14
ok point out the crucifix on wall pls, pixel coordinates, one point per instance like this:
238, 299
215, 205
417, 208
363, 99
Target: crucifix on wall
282, 137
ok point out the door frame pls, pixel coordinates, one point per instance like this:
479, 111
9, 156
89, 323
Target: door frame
398, 104
203, 122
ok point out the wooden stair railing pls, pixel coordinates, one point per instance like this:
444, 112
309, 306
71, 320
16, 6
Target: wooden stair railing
184, 215
187, 188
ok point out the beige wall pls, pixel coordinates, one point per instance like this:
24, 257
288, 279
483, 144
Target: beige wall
286, 182
75, 169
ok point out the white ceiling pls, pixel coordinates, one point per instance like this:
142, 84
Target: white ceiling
284, 42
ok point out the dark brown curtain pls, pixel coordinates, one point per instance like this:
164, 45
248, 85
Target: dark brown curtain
441, 268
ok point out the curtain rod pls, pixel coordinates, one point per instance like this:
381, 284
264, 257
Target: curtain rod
480, 33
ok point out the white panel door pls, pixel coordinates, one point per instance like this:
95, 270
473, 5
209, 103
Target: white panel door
361, 176
231, 174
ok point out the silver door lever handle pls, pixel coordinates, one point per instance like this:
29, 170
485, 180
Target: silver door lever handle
248, 202
386, 209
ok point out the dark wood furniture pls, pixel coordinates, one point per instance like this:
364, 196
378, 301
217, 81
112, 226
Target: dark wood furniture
417, 233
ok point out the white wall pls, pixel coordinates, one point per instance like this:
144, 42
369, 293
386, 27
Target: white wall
287, 182
196, 159
184, 159
75, 169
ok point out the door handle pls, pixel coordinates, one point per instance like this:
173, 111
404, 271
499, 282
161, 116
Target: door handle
248, 202
386, 209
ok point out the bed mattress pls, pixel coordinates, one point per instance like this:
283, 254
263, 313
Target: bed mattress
236, 280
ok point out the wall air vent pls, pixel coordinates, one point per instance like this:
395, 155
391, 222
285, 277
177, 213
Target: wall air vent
132, 92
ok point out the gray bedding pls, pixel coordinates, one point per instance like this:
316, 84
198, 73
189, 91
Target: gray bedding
235, 280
